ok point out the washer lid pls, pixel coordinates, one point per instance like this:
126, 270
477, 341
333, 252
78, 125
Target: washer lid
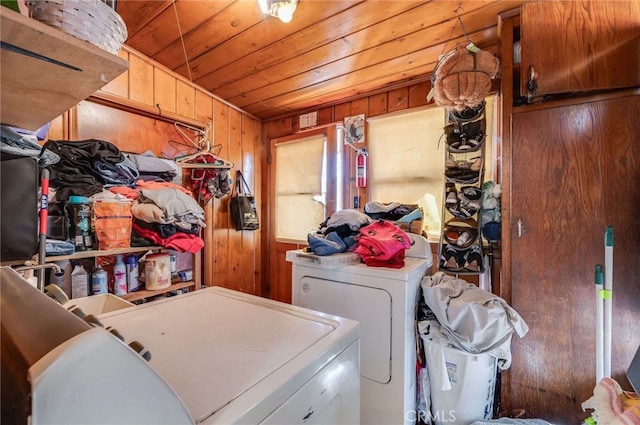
212, 346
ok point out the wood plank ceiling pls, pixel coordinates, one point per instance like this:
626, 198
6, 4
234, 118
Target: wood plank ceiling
331, 50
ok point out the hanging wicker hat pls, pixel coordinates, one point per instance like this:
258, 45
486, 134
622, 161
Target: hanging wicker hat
462, 77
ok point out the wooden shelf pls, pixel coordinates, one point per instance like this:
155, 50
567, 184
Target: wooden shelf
92, 253
45, 71
143, 294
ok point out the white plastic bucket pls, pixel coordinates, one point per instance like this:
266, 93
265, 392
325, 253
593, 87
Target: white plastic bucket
462, 384
157, 270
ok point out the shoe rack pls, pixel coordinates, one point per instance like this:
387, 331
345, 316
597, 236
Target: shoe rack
460, 247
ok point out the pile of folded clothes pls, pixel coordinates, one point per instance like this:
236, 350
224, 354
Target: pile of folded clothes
408, 217
87, 166
166, 215
337, 233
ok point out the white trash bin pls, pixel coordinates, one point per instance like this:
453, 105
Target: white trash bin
462, 385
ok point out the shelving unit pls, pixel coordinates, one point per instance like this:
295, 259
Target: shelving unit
34, 59
176, 284
45, 72
145, 294
87, 254
462, 194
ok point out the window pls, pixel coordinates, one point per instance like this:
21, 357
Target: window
300, 187
406, 160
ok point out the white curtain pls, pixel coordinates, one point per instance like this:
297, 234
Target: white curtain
299, 189
406, 160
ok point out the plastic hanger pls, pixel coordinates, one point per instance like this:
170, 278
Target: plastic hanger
203, 159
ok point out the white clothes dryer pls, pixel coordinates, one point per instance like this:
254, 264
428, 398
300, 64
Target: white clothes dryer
383, 300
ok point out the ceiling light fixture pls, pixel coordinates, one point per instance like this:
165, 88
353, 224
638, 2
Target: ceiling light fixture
281, 9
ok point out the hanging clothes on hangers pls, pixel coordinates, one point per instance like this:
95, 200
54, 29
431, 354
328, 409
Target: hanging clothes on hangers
210, 181
209, 172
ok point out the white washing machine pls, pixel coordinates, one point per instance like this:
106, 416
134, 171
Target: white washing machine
383, 300
217, 357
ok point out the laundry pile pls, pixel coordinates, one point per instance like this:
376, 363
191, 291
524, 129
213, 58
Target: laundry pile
152, 168
337, 233
382, 244
163, 213
15, 143
376, 235
458, 313
86, 166
166, 215
408, 217
465, 335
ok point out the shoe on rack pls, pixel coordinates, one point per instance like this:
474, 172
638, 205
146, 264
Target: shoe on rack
468, 113
450, 162
460, 234
473, 259
471, 193
451, 236
451, 194
451, 259
463, 238
476, 165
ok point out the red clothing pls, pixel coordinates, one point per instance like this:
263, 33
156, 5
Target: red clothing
180, 241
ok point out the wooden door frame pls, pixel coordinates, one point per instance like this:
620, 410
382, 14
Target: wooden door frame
274, 247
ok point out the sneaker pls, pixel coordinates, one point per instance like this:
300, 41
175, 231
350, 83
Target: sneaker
471, 193
468, 113
452, 195
450, 259
473, 259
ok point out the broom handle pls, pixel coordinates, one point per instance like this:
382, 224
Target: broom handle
608, 295
599, 280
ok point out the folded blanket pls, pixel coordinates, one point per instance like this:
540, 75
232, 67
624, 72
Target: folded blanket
612, 405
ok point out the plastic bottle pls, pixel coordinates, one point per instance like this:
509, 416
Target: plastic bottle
132, 273
79, 219
79, 282
120, 277
64, 279
99, 281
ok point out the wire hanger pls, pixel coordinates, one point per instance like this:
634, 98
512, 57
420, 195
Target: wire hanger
201, 141
205, 157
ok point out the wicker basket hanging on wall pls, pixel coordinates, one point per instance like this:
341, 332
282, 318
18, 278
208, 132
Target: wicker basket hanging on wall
462, 77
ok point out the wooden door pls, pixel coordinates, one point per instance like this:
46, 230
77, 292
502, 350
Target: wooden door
575, 170
280, 270
581, 45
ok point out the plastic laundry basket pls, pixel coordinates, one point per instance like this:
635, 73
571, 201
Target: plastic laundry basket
462, 384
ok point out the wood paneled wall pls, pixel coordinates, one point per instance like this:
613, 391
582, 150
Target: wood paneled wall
394, 99
376, 104
136, 112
